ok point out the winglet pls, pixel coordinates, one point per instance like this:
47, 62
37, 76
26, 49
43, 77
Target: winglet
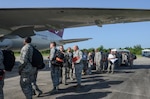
57, 32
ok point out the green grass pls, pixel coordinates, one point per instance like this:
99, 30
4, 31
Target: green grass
17, 54
138, 56
44, 54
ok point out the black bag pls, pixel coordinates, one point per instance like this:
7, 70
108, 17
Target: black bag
58, 55
37, 59
9, 59
134, 57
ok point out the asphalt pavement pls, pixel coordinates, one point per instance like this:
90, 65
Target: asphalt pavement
125, 83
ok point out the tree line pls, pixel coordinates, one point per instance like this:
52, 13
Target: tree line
135, 49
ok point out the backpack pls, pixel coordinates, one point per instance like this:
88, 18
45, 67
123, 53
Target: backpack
37, 59
58, 58
9, 59
134, 56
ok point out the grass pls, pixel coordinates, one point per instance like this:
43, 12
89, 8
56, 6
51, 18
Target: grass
138, 56
44, 54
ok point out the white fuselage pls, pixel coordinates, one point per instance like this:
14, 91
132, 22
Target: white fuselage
40, 40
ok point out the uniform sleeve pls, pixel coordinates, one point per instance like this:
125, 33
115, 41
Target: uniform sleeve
23, 57
99, 56
52, 53
26, 55
80, 57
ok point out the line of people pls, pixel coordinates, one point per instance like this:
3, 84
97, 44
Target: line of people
95, 60
71, 68
106, 61
73, 65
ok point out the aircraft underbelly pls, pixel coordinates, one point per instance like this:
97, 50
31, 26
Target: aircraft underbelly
6, 44
17, 44
40, 44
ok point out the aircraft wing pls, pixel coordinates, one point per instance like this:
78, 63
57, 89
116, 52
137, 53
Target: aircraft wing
22, 21
62, 42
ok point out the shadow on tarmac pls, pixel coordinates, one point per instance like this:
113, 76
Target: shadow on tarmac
93, 95
89, 82
141, 67
133, 67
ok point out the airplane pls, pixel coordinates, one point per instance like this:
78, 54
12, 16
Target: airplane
40, 40
17, 23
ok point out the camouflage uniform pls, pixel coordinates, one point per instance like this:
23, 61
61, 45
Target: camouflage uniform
131, 59
26, 69
104, 61
35, 87
1, 76
78, 66
119, 56
55, 72
85, 62
71, 69
65, 69
97, 60
90, 63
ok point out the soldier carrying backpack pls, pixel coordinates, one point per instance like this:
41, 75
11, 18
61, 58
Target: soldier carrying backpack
28, 68
58, 58
55, 70
37, 63
25, 69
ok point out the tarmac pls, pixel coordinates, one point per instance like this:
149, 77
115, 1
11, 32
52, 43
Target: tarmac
125, 83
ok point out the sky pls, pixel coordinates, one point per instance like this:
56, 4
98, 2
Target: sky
110, 35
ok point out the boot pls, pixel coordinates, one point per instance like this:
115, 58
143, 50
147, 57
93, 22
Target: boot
54, 90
